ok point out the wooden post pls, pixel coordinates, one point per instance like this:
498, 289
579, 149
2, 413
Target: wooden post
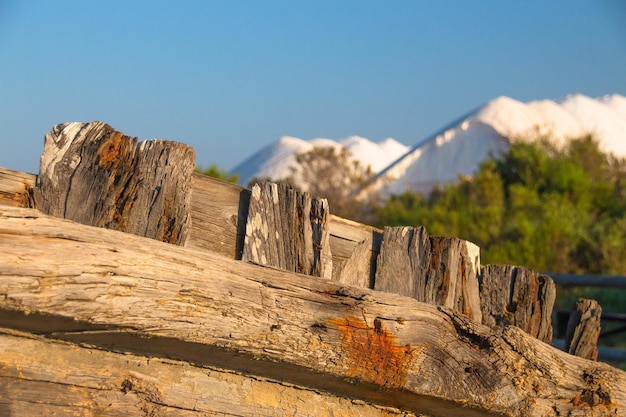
583, 329
289, 230
97, 176
513, 295
435, 270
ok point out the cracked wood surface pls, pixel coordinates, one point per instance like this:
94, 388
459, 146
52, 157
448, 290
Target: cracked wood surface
219, 212
513, 295
95, 175
435, 270
70, 380
129, 294
288, 229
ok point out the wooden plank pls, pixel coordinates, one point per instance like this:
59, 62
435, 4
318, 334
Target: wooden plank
583, 329
435, 270
70, 380
349, 243
513, 295
120, 292
288, 229
14, 186
219, 211
97, 176
356, 269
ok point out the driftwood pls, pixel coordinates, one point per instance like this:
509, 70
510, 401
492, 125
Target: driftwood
97, 176
583, 329
124, 293
513, 295
288, 229
434, 270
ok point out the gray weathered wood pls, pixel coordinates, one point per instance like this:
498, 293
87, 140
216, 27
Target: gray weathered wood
348, 241
583, 329
64, 379
219, 211
355, 270
120, 292
514, 295
218, 218
97, 176
288, 229
435, 270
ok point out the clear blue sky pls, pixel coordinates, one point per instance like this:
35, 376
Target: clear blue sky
229, 77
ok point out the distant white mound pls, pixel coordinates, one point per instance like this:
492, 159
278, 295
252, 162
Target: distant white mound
460, 148
275, 160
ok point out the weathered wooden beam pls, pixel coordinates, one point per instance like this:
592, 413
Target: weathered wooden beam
65, 379
583, 329
14, 188
125, 293
94, 175
219, 212
514, 295
435, 270
288, 229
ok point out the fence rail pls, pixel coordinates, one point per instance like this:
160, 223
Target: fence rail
604, 281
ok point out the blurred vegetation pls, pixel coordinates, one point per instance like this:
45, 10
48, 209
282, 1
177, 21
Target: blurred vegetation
546, 208
216, 172
540, 206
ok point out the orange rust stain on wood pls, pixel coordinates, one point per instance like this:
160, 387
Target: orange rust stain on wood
373, 352
14, 199
111, 149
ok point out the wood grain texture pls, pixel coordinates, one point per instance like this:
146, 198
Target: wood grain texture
97, 176
583, 329
355, 270
435, 270
513, 295
129, 294
345, 238
65, 379
288, 229
14, 188
219, 213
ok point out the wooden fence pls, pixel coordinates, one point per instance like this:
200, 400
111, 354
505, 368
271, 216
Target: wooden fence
615, 282
205, 298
